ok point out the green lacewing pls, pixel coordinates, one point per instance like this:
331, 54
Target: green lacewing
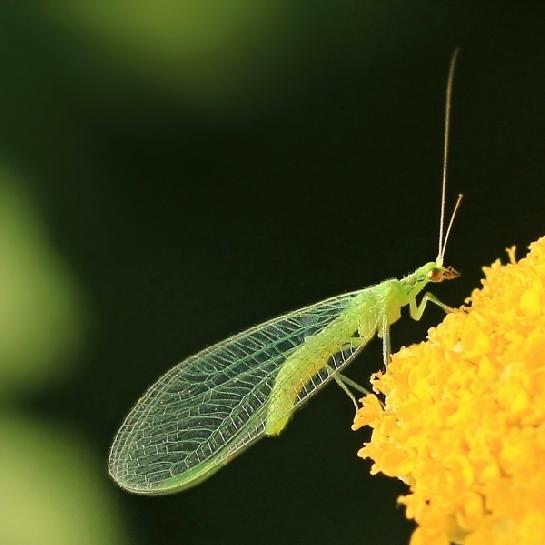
213, 405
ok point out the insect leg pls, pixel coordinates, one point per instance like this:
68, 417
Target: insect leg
349, 382
345, 382
345, 389
386, 346
416, 311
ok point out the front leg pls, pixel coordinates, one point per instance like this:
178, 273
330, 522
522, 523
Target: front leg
416, 311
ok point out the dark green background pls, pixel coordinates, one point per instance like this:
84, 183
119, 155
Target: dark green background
316, 172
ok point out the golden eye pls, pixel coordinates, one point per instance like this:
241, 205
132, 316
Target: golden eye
436, 275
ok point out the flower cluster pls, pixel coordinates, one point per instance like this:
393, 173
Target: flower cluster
462, 419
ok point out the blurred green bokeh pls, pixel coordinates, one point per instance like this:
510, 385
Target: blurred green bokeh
207, 48
40, 305
50, 493
217, 53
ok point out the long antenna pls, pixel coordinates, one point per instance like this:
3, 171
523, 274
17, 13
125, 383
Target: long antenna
451, 221
448, 101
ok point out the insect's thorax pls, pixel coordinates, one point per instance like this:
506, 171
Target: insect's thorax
377, 303
412, 284
385, 300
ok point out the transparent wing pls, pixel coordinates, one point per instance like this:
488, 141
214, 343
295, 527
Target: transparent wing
210, 406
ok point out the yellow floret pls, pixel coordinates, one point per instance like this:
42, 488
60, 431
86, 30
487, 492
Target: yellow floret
462, 420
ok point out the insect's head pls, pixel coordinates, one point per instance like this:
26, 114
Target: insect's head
434, 272
430, 272
438, 273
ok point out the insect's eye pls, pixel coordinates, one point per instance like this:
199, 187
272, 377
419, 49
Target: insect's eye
436, 275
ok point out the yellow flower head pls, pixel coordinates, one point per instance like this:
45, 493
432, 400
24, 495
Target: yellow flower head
463, 416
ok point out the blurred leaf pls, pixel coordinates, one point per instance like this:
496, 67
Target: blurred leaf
207, 47
40, 314
50, 491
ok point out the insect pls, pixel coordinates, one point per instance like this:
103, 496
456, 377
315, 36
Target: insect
211, 406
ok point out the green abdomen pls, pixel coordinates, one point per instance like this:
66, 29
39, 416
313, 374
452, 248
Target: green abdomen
313, 356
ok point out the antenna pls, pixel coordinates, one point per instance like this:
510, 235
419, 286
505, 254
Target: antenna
448, 101
451, 221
